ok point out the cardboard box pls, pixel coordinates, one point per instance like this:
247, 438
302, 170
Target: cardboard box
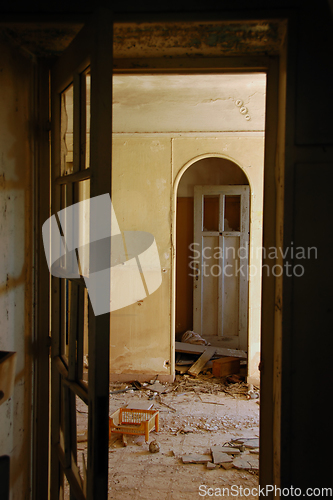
225, 366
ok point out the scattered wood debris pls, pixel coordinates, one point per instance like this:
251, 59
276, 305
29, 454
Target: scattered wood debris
199, 349
200, 363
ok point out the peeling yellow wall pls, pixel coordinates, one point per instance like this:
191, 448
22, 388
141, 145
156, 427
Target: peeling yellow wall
141, 179
16, 262
146, 172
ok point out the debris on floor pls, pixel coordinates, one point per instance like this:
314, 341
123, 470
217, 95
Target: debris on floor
252, 393
208, 434
221, 361
221, 458
211, 466
246, 462
196, 459
248, 442
201, 361
227, 457
154, 446
220, 351
225, 366
230, 450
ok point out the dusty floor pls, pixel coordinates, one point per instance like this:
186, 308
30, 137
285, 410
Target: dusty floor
195, 414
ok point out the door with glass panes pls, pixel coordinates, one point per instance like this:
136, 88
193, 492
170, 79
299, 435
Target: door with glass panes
81, 110
221, 239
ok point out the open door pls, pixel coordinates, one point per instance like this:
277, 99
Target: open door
81, 104
221, 238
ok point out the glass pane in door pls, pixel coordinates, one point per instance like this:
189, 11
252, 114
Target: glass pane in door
211, 213
232, 213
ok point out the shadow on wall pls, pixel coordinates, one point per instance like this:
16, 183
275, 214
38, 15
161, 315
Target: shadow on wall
16, 245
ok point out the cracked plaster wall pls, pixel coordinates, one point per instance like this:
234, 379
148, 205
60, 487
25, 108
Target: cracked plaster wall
16, 262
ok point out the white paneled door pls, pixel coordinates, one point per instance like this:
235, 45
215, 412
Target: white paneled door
220, 263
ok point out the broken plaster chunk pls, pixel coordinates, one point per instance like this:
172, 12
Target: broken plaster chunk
157, 387
227, 465
251, 443
140, 440
211, 466
154, 446
186, 429
226, 449
219, 457
196, 459
246, 462
248, 442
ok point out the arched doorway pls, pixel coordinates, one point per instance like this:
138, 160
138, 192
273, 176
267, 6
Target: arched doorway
212, 293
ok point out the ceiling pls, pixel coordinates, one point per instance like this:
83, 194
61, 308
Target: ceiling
158, 39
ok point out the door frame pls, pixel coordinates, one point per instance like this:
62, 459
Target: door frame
91, 47
271, 317
270, 408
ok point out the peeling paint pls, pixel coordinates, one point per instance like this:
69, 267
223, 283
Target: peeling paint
16, 251
157, 39
196, 39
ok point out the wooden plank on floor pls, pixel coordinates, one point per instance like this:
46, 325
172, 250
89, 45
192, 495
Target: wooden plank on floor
199, 349
200, 363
